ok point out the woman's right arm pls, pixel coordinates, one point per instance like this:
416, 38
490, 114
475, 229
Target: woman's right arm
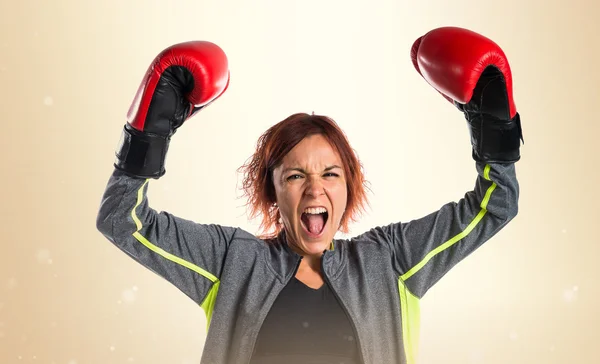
187, 254
180, 81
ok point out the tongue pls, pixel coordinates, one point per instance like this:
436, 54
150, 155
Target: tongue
314, 222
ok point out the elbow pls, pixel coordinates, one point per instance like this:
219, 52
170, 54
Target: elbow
504, 208
513, 210
104, 223
511, 207
513, 202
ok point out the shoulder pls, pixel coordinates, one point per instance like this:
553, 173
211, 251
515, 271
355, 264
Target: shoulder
241, 236
376, 238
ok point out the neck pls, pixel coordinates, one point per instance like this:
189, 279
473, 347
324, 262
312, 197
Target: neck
310, 262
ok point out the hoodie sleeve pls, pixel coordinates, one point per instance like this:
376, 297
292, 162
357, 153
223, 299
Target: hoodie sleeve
187, 254
425, 249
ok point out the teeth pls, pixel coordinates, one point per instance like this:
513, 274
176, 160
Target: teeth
315, 210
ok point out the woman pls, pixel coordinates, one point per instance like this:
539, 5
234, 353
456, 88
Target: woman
296, 294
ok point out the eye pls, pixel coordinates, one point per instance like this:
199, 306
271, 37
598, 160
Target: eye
293, 177
331, 174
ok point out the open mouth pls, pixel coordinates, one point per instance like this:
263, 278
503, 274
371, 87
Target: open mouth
314, 220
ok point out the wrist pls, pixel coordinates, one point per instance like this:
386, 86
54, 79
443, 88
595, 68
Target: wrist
141, 154
493, 140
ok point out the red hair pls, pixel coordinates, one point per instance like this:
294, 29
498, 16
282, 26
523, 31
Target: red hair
273, 146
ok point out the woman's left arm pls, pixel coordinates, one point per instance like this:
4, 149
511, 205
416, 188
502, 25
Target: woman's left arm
473, 73
425, 249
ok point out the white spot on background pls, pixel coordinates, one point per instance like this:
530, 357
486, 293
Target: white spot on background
513, 335
112, 348
72, 361
564, 231
570, 294
43, 256
48, 101
12, 283
128, 295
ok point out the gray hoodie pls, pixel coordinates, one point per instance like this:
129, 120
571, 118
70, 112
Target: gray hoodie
378, 276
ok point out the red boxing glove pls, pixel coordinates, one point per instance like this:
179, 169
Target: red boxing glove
472, 72
181, 80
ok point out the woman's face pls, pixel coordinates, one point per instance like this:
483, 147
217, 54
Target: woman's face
311, 193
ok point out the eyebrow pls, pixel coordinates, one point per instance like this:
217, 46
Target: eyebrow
303, 171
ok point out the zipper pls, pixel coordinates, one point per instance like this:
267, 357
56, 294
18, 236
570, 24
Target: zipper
265, 316
362, 359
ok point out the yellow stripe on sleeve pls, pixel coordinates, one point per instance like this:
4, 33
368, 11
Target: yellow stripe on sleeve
409, 303
460, 235
209, 301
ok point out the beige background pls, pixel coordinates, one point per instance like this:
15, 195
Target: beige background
69, 69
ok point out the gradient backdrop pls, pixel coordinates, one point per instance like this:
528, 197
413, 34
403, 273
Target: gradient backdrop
69, 70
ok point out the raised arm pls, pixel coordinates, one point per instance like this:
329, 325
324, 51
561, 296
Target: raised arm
181, 80
473, 73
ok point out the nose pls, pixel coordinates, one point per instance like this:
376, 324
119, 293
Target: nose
314, 188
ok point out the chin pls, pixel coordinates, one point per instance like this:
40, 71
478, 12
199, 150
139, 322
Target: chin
315, 245
316, 248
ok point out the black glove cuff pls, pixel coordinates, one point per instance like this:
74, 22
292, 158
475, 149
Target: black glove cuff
141, 154
495, 141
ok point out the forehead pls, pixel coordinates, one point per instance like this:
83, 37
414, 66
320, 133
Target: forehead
315, 151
